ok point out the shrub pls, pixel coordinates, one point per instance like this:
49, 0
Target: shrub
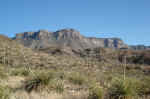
96, 93
40, 80
4, 92
3, 74
59, 87
144, 87
55, 85
123, 88
61, 75
20, 72
77, 78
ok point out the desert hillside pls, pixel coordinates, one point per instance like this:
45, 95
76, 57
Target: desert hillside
63, 72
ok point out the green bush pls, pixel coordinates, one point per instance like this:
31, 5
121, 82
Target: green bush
77, 78
39, 80
3, 73
61, 75
59, 87
4, 92
123, 88
144, 87
96, 93
20, 72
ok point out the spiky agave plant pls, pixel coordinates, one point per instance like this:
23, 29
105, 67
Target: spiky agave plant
123, 89
41, 79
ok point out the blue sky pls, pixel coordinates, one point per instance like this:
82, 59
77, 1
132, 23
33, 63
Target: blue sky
127, 19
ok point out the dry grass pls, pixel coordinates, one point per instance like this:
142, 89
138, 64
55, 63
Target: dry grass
69, 77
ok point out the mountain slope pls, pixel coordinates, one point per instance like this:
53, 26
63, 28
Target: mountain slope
139, 47
16, 55
65, 38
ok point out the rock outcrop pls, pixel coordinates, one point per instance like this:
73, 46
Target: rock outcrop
65, 38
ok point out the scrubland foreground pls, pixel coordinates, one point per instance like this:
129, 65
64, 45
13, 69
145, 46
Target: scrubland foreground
28, 74
75, 81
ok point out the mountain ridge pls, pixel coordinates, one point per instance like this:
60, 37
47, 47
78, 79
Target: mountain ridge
65, 37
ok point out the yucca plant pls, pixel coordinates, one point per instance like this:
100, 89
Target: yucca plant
123, 89
96, 93
59, 87
39, 80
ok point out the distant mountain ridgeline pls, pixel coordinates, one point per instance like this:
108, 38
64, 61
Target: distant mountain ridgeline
66, 38
68, 42
140, 47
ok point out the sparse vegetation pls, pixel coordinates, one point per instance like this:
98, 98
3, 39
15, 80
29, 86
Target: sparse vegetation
96, 93
64, 74
39, 80
77, 78
59, 87
20, 72
121, 89
144, 87
3, 75
4, 92
45, 80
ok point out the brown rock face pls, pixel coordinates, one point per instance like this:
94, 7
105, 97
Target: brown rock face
65, 38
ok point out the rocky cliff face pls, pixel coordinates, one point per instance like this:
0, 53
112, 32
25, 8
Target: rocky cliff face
139, 47
65, 38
